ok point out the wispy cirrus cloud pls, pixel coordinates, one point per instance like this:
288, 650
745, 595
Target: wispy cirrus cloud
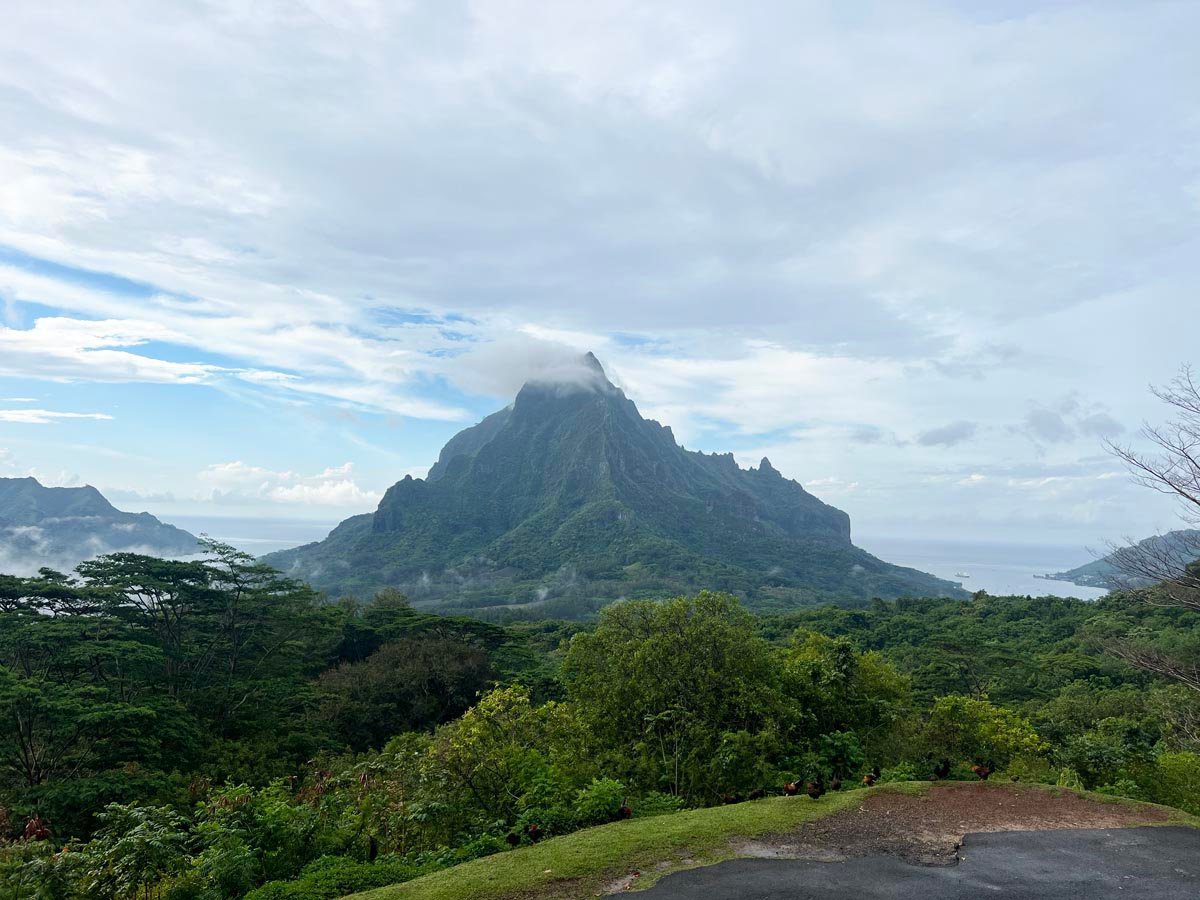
45, 416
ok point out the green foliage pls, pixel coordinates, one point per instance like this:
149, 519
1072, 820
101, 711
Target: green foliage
1111, 747
1176, 781
1069, 778
976, 730
134, 849
378, 742
599, 802
656, 804
904, 771
403, 686
715, 690
336, 876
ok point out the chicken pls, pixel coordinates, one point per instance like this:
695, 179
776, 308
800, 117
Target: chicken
981, 771
756, 794
512, 839
625, 812
869, 779
534, 832
814, 789
791, 789
836, 783
942, 769
37, 829
731, 798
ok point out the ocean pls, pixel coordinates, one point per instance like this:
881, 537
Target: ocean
257, 536
996, 567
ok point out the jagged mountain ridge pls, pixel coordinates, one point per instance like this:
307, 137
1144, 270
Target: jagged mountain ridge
570, 496
60, 527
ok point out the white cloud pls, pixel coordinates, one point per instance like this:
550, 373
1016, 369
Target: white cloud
239, 483
784, 226
44, 416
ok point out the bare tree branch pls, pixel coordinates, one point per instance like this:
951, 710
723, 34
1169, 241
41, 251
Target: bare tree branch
1171, 563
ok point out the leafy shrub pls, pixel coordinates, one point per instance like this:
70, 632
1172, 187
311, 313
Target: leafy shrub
1125, 787
1033, 769
135, 848
1113, 746
656, 804
336, 876
1069, 778
599, 802
1177, 781
976, 730
841, 754
904, 771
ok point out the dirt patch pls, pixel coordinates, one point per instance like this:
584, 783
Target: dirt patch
929, 828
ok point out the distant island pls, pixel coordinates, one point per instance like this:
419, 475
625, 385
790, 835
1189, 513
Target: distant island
568, 499
1107, 574
60, 527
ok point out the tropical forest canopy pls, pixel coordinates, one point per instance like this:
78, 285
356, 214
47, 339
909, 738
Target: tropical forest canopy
214, 729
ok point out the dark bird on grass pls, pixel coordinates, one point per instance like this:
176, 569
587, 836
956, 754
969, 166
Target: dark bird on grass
791, 789
756, 794
869, 779
625, 812
731, 798
981, 771
942, 769
534, 832
836, 783
512, 839
814, 789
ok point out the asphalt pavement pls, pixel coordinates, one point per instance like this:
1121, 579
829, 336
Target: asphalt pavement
1158, 863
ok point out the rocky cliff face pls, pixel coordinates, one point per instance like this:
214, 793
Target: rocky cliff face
570, 496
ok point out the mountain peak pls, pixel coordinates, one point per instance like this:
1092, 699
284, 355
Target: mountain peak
60, 526
569, 496
589, 360
567, 377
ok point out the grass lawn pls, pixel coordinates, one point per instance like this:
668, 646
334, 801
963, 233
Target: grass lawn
580, 864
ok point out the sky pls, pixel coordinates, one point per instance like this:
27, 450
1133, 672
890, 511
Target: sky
263, 259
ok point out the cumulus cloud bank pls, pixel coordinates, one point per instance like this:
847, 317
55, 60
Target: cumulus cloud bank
237, 483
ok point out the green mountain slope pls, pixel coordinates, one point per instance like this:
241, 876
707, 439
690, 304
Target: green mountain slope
1179, 545
569, 498
60, 527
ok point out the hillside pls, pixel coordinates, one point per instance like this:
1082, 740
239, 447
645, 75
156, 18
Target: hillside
60, 527
1106, 573
568, 499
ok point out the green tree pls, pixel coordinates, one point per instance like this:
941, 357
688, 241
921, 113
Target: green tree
661, 683
404, 686
973, 730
